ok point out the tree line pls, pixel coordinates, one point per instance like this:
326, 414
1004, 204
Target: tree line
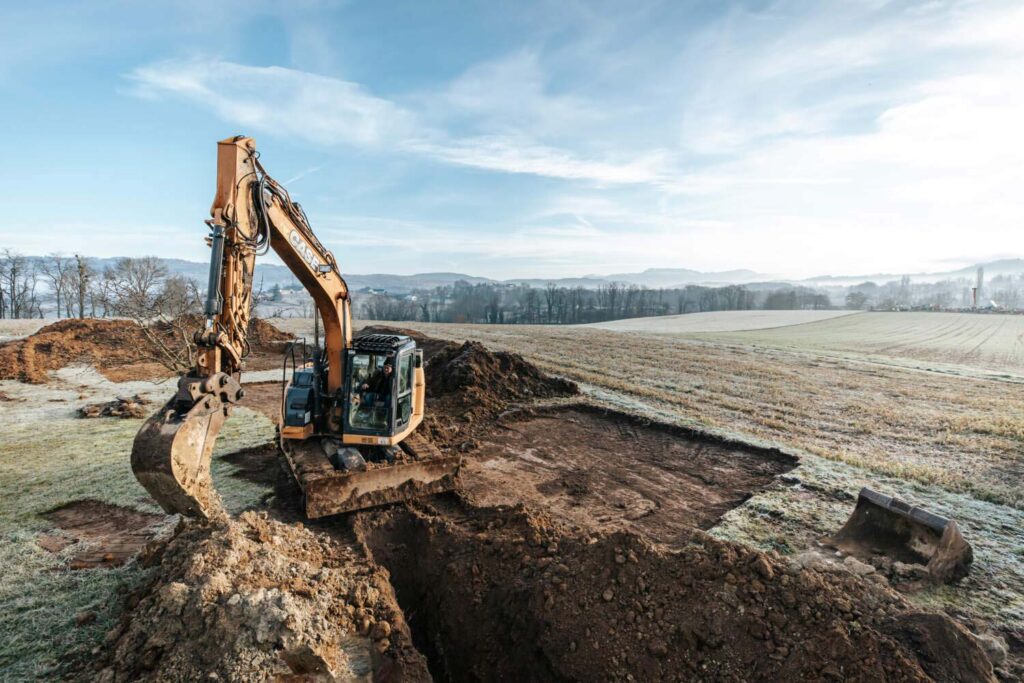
463, 302
71, 287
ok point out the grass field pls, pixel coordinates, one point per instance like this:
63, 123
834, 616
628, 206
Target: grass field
718, 321
992, 342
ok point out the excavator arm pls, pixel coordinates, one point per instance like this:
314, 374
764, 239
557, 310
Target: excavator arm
251, 213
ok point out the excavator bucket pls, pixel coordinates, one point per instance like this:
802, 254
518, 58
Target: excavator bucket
883, 525
421, 470
171, 456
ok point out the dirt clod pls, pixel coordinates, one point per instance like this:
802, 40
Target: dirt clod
133, 407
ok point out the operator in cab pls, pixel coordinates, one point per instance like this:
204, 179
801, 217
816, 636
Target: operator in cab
379, 382
373, 408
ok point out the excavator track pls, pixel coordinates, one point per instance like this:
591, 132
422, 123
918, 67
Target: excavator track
422, 470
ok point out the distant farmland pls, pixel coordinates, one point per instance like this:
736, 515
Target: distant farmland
987, 341
718, 321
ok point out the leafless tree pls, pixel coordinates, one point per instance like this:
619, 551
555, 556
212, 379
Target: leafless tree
56, 268
18, 280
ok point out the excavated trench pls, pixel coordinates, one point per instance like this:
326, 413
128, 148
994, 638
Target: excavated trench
506, 593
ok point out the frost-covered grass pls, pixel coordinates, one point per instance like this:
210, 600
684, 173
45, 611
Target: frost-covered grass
717, 321
993, 342
48, 458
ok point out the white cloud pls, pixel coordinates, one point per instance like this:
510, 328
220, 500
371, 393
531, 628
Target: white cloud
285, 101
320, 109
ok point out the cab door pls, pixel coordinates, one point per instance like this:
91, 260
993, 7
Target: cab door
403, 394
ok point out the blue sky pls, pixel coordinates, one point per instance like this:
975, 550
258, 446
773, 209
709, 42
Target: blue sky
539, 139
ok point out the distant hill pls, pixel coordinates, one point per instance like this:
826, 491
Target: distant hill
1013, 266
674, 277
655, 278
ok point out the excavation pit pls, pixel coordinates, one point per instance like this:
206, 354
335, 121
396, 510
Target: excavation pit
607, 470
503, 593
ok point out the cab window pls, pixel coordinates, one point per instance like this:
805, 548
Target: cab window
370, 391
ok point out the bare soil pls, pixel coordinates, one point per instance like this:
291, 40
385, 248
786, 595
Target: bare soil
507, 593
606, 470
109, 535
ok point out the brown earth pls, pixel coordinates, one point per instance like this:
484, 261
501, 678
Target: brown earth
599, 570
109, 535
257, 599
507, 593
118, 347
611, 471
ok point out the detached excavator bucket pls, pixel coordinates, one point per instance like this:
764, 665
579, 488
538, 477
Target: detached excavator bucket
421, 471
883, 525
171, 457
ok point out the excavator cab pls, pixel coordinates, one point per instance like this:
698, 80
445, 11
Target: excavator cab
380, 382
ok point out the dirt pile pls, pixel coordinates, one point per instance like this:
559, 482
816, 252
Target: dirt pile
468, 385
104, 343
502, 593
111, 345
255, 599
135, 406
262, 334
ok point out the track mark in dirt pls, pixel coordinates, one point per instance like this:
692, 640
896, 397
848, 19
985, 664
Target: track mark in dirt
111, 534
612, 471
258, 464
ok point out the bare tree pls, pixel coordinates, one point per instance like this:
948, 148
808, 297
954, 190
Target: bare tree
55, 267
137, 284
18, 280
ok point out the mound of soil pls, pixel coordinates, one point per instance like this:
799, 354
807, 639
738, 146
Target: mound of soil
477, 376
136, 406
262, 334
505, 594
254, 599
468, 385
108, 345
104, 343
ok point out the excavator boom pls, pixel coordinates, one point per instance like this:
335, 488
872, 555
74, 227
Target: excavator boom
252, 213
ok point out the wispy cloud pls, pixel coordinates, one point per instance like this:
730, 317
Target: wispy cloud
320, 109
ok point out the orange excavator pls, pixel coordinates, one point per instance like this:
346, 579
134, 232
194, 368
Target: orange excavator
348, 413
